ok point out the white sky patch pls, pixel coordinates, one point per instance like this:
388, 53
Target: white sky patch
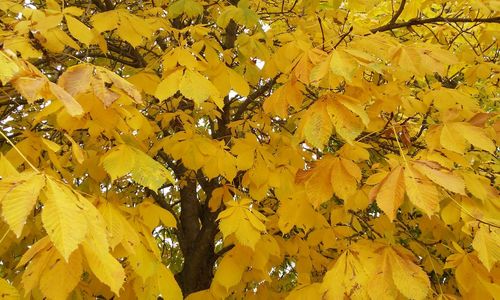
202, 122
29, 4
7, 119
259, 63
232, 94
265, 26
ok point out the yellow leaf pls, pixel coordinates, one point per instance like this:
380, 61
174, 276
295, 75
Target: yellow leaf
119, 228
78, 154
50, 145
40, 245
358, 200
63, 218
96, 249
146, 81
189, 7
144, 169
122, 84
444, 178
36, 267
79, 30
478, 186
76, 79
356, 151
184, 58
104, 266
105, 21
6, 168
241, 221
308, 291
233, 264
318, 184
487, 244
99, 86
299, 213
318, 127
140, 26
56, 40
148, 172
22, 45
218, 196
221, 163
356, 106
19, 200
349, 273
73, 10
143, 261
153, 214
169, 86
347, 125
474, 280
343, 64
196, 87
241, 15
244, 149
409, 278
238, 83
30, 88
8, 68
61, 277
201, 295
72, 106
277, 103
474, 135
163, 282
391, 192
421, 192
452, 139
7, 291
167, 283
113, 161
345, 177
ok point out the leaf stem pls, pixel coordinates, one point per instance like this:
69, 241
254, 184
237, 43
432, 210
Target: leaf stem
18, 151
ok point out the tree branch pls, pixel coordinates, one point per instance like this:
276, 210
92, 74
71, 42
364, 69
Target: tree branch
259, 92
440, 19
342, 37
398, 12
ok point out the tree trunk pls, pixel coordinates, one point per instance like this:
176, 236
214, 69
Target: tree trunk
197, 233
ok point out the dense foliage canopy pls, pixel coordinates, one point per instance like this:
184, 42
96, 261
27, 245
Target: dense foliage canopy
255, 149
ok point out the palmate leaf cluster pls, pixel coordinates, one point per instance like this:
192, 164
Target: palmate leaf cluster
297, 149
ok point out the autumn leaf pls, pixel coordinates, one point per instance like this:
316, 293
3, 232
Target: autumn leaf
196, 87
487, 244
230, 270
248, 231
318, 126
189, 7
105, 267
390, 192
63, 218
441, 177
19, 195
8, 291
9, 68
79, 30
421, 192
410, 280
349, 273
61, 277
140, 166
